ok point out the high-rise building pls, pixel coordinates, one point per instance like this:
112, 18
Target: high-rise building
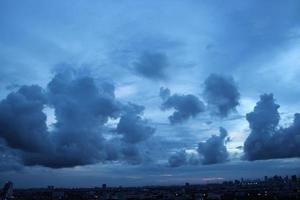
7, 191
294, 178
104, 192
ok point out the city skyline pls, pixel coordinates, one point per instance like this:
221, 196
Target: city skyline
275, 187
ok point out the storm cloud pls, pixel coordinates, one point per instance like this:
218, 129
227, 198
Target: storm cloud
186, 106
221, 94
152, 65
82, 108
267, 139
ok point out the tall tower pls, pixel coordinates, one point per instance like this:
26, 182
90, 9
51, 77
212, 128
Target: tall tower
7, 190
104, 192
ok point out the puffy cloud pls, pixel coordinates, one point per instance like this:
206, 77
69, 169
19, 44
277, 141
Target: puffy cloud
22, 121
186, 106
152, 65
267, 140
213, 150
221, 94
133, 128
82, 109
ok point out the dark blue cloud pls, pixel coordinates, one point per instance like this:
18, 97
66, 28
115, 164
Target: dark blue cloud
186, 106
131, 154
213, 150
82, 109
164, 93
178, 159
152, 65
132, 127
22, 121
267, 140
181, 158
134, 131
9, 159
221, 94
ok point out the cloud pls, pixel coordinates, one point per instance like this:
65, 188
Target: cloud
134, 131
132, 127
131, 154
82, 109
9, 160
164, 93
178, 159
186, 106
221, 94
152, 65
267, 140
22, 121
117, 149
181, 158
213, 150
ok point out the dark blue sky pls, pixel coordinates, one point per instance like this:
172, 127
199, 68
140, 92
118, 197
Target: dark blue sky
148, 92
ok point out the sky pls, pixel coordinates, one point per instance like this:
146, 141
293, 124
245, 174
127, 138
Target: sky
132, 93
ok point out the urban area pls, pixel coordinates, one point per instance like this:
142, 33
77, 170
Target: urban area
275, 188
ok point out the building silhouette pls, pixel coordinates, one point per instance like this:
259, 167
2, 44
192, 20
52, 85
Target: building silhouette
7, 191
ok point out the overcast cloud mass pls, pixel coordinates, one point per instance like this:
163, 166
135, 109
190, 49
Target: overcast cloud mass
148, 92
